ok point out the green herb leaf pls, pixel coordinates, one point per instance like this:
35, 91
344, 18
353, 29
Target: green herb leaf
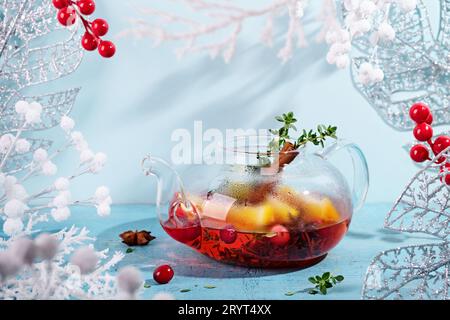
312, 280
324, 282
289, 293
147, 285
339, 278
208, 286
313, 291
185, 290
129, 250
323, 290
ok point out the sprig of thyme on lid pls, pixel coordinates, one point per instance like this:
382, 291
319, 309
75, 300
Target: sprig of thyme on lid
317, 137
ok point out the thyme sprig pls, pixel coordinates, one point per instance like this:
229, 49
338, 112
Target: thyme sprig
324, 282
288, 120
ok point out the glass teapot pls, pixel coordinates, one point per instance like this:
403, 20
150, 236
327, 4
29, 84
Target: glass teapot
257, 208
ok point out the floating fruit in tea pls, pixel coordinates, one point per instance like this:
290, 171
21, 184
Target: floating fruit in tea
183, 223
280, 235
257, 218
321, 210
283, 212
228, 234
181, 213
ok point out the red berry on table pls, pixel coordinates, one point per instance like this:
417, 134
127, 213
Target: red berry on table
107, 49
228, 235
419, 112
67, 16
419, 153
429, 119
87, 7
89, 42
59, 4
281, 237
100, 27
163, 274
423, 132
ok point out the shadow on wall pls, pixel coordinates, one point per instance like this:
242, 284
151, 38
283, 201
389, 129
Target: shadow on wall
256, 73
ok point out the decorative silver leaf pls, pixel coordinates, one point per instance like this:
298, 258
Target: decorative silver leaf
412, 272
423, 206
18, 162
55, 105
32, 66
416, 66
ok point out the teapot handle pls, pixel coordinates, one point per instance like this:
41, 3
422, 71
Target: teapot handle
360, 170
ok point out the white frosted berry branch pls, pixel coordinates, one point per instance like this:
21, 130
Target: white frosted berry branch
17, 205
223, 17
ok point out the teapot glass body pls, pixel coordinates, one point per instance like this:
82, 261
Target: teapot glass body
259, 209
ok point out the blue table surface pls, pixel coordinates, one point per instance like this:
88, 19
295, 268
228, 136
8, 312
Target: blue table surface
351, 257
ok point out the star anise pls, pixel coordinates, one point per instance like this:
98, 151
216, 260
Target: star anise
136, 238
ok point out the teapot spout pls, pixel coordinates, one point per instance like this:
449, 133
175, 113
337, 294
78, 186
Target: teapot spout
169, 182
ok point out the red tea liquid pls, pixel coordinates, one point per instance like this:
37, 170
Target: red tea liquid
303, 248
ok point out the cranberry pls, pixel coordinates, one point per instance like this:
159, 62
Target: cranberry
163, 274
429, 119
228, 234
282, 236
87, 7
107, 49
440, 144
89, 42
67, 16
419, 153
419, 112
423, 132
59, 4
100, 27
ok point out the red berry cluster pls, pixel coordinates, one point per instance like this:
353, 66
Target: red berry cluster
70, 10
420, 113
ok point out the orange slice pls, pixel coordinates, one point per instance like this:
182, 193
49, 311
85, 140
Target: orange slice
251, 218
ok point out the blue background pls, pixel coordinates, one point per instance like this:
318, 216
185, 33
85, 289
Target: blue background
131, 104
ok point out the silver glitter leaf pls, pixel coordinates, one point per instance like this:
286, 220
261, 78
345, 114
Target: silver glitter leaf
19, 162
55, 105
412, 272
32, 66
423, 206
415, 64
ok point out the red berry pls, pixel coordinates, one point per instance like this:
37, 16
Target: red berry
100, 27
419, 112
282, 236
59, 4
163, 274
67, 16
429, 119
89, 42
423, 132
107, 49
446, 177
87, 7
440, 144
419, 153
228, 235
